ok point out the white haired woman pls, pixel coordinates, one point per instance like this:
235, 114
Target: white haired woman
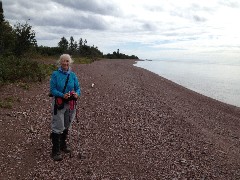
65, 89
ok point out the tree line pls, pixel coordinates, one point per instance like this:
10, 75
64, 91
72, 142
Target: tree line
20, 39
71, 47
118, 55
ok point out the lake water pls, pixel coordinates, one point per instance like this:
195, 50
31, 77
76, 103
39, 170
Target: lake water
217, 80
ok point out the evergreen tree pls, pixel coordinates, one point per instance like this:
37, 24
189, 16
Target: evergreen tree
1, 13
63, 44
7, 38
71, 45
1, 27
85, 42
75, 46
24, 38
80, 45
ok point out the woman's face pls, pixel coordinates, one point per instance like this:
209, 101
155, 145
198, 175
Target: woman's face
65, 64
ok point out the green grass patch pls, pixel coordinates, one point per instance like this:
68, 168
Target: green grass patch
25, 86
7, 103
82, 60
25, 70
14, 69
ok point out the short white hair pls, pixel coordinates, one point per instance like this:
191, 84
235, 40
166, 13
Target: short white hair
65, 56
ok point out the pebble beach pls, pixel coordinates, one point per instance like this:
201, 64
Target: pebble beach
132, 124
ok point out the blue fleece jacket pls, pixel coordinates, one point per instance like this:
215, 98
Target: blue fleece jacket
58, 80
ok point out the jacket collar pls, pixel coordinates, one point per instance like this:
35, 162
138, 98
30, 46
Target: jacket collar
64, 72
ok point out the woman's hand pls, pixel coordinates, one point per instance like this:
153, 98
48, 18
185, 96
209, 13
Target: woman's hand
66, 96
75, 95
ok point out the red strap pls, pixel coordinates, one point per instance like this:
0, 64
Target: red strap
59, 101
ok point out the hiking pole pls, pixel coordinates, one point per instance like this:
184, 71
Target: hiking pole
78, 136
70, 113
72, 107
70, 137
78, 132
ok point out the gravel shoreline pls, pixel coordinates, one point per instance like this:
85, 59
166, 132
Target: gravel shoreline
133, 124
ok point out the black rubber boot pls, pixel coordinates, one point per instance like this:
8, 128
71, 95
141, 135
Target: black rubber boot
56, 155
63, 144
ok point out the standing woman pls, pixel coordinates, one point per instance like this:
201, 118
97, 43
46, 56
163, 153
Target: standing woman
64, 86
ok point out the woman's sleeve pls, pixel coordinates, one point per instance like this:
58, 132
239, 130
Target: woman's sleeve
77, 86
53, 86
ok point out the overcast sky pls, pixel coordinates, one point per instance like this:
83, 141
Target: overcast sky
150, 29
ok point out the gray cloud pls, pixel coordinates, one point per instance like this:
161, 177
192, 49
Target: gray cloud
198, 18
94, 6
149, 27
53, 14
197, 7
154, 8
196, 12
230, 3
25, 7
75, 22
